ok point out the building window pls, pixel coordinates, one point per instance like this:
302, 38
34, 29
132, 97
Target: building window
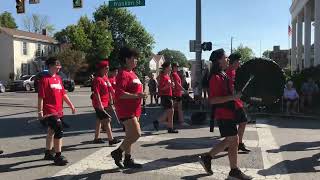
38, 53
25, 48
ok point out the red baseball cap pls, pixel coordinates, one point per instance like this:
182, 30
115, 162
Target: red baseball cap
102, 64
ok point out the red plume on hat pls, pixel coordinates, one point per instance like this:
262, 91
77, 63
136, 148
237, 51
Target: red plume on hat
103, 63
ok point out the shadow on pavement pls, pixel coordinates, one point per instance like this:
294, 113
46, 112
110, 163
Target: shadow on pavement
297, 146
11, 167
193, 143
93, 175
293, 123
303, 165
40, 151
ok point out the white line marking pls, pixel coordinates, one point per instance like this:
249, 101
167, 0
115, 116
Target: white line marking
267, 142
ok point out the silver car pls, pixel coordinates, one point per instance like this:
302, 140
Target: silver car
26, 83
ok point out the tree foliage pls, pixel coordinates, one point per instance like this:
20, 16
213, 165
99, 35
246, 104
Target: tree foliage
126, 30
174, 56
246, 53
92, 38
36, 23
71, 60
6, 20
266, 54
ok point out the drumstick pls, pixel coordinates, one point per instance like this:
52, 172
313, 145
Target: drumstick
39, 119
248, 82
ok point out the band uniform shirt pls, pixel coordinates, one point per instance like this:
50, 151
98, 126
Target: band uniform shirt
177, 91
231, 73
51, 90
164, 80
127, 81
100, 87
218, 88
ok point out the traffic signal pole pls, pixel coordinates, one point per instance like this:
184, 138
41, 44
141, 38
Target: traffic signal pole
198, 76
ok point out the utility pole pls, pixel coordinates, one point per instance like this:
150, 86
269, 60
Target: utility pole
231, 44
198, 75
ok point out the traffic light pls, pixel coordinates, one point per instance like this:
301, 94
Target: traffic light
20, 6
206, 46
77, 3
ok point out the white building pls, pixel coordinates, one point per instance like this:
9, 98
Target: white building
19, 52
303, 14
155, 64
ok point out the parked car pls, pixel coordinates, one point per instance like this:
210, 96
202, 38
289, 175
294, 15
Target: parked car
26, 83
68, 83
2, 87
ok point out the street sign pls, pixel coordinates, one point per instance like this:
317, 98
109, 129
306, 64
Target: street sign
34, 1
126, 3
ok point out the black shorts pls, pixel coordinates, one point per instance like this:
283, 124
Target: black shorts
177, 98
166, 102
102, 115
241, 116
227, 127
126, 119
52, 121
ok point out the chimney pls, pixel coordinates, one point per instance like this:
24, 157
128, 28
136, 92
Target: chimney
44, 32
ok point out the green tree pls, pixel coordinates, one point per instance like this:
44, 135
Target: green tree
6, 20
36, 23
174, 56
246, 52
126, 30
92, 38
71, 60
266, 54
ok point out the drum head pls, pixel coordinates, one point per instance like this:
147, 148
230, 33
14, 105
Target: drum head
268, 82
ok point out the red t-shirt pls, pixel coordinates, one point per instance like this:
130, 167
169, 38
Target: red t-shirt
127, 81
100, 86
52, 91
164, 80
112, 80
231, 73
218, 88
177, 91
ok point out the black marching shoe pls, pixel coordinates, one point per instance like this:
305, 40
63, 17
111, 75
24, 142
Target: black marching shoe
172, 131
117, 157
156, 125
205, 161
49, 155
98, 141
1, 151
129, 163
114, 141
237, 174
243, 148
60, 161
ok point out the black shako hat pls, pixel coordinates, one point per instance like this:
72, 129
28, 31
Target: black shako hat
216, 54
234, 57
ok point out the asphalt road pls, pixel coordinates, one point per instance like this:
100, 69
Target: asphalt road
281, 148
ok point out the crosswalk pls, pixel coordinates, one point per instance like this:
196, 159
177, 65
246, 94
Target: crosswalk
169, 167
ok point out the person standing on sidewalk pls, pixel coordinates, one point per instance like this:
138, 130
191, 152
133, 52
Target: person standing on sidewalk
221, 96
128, 96
241, 116
51, 95
100, 102
165, 93
177, 93
152, 84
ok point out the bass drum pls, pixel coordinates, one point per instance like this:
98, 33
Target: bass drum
267, 85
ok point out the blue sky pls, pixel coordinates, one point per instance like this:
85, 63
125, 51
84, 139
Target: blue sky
172, 22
